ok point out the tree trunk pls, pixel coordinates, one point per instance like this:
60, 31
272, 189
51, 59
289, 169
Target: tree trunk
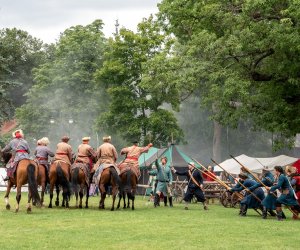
217, 148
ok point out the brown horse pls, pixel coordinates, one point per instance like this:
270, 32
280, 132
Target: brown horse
79, 177
129, 183
109, 176
27, 172
59, 175
42, 180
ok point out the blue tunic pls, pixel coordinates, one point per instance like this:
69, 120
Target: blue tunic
287, 196
249, 199
269, 202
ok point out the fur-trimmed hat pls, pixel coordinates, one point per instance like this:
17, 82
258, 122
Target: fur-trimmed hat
18, 133
106, 138
65, 138
86, 138
45, 141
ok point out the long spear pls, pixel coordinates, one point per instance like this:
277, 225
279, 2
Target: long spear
240, 196
254, 195
259, 181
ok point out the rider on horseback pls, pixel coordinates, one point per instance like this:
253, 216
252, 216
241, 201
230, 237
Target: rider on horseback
86, 153
42, 152
20, 150
64, 150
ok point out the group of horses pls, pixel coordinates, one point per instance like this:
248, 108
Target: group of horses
69, 180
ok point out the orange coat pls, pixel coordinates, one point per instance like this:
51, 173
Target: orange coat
106, 153
86, 154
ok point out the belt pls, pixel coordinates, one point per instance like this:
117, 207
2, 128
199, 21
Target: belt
132, 158
163, 181
83, 156
21, 151
61, 153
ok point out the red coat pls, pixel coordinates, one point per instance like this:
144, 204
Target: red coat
207, 177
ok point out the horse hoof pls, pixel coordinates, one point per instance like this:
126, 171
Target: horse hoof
57, 203
63, 205
132, 208
7, 207
29, 210
17, 210
112, 209
86, 206
80, 206
50, 206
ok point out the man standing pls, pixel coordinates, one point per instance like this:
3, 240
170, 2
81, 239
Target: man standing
164, 181
64, 151
86, 153
19, 149
194, 186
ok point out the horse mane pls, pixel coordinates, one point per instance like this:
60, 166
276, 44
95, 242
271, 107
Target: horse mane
6, 156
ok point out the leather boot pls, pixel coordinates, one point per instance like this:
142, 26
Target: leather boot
264, 213
171, 201
243, 210
156, 200
279, 213
271, 212
165, 201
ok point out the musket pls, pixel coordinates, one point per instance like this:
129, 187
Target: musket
259, 181
254, 195
240, 196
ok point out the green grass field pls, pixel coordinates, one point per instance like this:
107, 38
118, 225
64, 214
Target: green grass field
144, 228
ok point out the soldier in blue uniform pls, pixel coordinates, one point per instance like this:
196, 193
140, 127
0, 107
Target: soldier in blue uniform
249, 201
287, 196
164, 181
195, 185
269, 202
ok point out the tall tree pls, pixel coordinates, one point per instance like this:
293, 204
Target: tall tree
135, 109
245, 57
65, 92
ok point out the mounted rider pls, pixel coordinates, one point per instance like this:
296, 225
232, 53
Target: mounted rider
64, 151
132, 158
19, 149
42, 152
86, 153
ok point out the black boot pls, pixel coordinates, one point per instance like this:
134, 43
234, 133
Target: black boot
264, 213
165, 201
243, 211
171, 201
156, 200
271, 212
279, 214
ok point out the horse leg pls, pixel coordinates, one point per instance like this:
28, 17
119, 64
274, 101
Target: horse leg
87, 196
114, 194
51, 194
65, 198
6, 197
43, 192
57, 196
128, 200
18, 197
124, 200
29, 204
120, 197
80, 195
76, 197
103, 195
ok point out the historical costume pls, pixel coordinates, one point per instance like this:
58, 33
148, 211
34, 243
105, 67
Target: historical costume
164, 181
42, 152
249, 200
64, 151
194, 186
269, 202
132, 158
19, 149
287, 196
86, 153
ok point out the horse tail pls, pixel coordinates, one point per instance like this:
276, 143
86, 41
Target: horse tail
115, 175
75, 174
32, 184
63, 180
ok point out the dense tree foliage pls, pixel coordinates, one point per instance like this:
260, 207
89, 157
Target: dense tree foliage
244, 58
135, 108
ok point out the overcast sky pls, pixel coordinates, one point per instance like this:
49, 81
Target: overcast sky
46, 19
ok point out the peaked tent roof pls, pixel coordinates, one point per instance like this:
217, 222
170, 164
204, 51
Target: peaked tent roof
175, 156
254, 164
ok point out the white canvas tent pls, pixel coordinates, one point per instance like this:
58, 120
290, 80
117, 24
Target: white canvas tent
254, 164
